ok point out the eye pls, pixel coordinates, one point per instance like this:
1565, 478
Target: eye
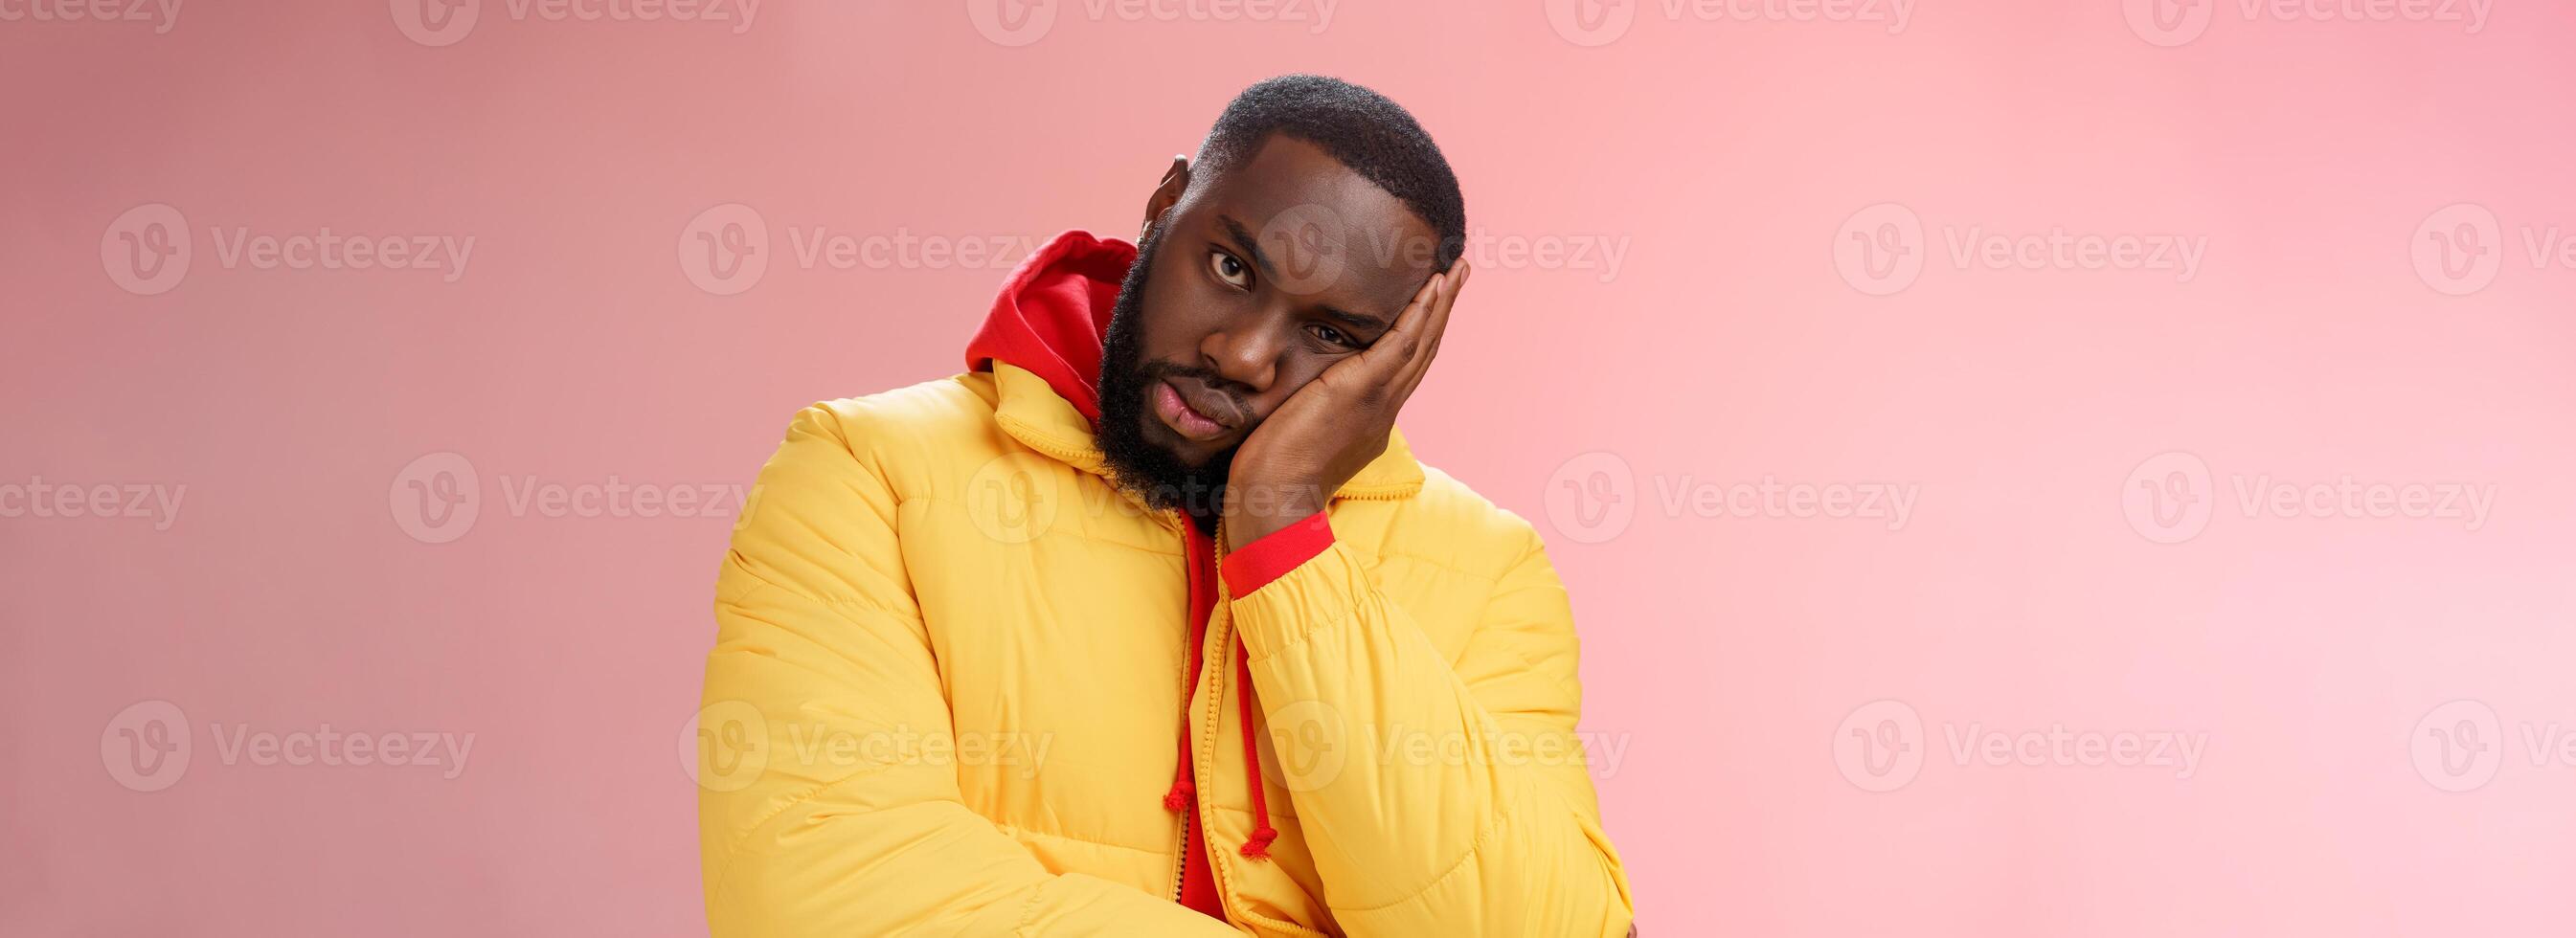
1230, 269
1334, 336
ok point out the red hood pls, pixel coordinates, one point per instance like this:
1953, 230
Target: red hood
1053, 315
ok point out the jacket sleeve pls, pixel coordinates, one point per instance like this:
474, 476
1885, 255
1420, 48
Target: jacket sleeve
813, 818
1438, 796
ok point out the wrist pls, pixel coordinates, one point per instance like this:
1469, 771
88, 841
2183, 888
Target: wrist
1255, 509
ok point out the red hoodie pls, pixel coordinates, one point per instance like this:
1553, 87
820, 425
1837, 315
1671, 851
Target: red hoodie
1051, 319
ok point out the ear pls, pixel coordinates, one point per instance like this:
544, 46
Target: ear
1176, 180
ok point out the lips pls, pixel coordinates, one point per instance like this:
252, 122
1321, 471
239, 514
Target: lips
1202, 415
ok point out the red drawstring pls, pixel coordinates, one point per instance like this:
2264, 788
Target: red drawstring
1258, 845
1178, 798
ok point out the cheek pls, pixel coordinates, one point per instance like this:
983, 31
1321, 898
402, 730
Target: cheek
1178, 313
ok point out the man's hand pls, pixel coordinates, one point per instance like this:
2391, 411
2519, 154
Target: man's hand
1331, 428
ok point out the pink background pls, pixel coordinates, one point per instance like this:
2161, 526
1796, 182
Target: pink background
2311, 154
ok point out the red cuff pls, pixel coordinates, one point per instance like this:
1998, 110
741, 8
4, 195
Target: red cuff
1275, 553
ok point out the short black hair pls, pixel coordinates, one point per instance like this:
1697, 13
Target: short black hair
1363, 130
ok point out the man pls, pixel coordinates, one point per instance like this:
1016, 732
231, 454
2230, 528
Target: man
1150, 623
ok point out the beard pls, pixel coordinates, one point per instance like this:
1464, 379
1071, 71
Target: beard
1156, 476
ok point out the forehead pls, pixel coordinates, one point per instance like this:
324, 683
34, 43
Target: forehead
1311, 213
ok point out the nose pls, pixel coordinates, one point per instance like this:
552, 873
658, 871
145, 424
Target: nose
1246, 352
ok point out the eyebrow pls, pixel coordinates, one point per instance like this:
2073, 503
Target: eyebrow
1243, 239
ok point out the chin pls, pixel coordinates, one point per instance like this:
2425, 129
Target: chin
1189, 453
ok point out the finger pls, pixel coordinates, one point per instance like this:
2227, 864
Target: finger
1435, 325
1399, 343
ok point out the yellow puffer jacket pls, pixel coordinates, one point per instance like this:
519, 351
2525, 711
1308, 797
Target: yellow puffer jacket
951, 656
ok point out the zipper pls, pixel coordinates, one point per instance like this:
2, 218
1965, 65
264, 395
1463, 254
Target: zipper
1190, 683
1199, 681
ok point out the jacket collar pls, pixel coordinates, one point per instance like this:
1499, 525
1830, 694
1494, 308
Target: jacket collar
1033, 413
